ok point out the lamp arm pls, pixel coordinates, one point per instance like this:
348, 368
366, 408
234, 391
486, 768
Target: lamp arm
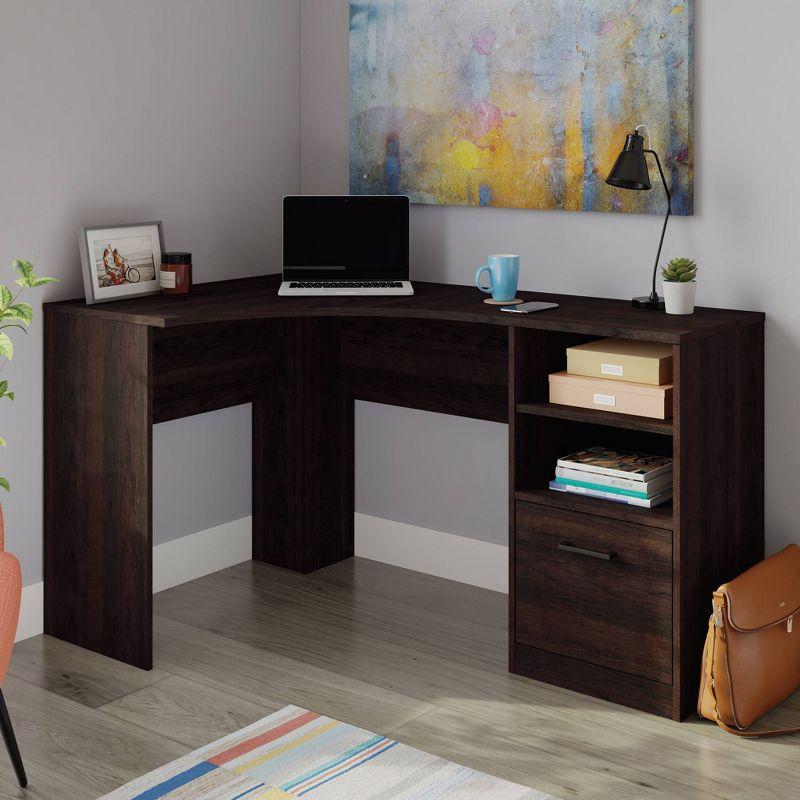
654, 294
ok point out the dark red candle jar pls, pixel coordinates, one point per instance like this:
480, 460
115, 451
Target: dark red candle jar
176, 273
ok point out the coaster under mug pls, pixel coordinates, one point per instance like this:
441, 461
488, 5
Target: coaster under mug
515, 302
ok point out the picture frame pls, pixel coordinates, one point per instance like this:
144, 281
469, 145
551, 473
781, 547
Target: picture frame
121, 261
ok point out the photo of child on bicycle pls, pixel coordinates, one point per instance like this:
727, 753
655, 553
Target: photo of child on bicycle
124, 261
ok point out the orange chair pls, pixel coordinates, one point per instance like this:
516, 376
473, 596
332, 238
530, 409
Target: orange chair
10, 593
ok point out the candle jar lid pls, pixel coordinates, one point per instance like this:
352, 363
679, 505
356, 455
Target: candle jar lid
176, 258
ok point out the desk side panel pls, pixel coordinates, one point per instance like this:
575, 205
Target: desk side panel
97, 486
719, 478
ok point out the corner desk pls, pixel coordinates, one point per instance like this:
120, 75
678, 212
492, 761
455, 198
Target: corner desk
629, 630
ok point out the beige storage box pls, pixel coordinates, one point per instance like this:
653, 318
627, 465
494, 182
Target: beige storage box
604, 395
622, 360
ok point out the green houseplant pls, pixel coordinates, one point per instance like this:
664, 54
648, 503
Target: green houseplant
15, 314
680, 285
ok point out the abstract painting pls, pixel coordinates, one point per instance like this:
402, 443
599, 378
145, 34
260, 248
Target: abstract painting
519, 103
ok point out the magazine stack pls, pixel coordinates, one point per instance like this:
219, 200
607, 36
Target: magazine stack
636, 479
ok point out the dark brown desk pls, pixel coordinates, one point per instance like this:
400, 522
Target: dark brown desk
629, 630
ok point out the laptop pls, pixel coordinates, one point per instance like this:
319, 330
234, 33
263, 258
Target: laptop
348, 245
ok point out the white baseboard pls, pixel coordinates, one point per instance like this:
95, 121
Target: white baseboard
31, 612
445, 555
202, 553
174, 562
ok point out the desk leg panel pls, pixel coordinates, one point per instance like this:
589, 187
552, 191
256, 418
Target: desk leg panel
303, 450
97, 486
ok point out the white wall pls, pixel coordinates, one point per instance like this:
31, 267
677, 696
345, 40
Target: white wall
181, 110
745, 233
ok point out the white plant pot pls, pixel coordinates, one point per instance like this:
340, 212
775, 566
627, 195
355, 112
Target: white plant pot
679, 297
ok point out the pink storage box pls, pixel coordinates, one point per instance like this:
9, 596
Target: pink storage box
640, 399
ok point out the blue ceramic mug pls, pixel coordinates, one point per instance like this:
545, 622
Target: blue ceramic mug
503, 277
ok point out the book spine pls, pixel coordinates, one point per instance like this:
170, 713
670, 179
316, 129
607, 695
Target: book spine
602, 488
616, 498
615, 473
605, 480
563, 487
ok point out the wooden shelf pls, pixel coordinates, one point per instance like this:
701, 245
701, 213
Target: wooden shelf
608, 418
659, 517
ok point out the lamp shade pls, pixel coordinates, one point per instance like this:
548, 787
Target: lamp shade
630, 169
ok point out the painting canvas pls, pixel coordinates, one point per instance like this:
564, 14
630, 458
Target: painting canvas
519, 103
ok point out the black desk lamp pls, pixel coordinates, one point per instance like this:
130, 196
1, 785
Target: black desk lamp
630, 172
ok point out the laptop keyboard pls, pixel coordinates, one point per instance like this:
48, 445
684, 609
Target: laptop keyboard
346, 285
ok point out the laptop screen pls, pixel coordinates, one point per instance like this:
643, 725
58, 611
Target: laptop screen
345, 238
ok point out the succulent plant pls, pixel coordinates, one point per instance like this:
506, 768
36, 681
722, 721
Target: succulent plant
680, 270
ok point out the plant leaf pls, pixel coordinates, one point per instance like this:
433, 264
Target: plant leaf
28, 279
3, 442
6, 346
21, 311
5, 484
25, 269
6, 298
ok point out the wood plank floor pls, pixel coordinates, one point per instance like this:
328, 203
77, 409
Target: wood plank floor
404, 654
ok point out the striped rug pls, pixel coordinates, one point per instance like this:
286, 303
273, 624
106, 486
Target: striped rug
297, 753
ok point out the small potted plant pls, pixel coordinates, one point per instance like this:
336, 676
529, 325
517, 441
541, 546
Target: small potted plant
680, 286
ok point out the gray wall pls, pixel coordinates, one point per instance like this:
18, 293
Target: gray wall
183, 110
744, 234
433, 470
201, 472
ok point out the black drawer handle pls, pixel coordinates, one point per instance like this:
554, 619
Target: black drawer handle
568, 547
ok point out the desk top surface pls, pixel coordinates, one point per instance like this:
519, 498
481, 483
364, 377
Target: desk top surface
257, 298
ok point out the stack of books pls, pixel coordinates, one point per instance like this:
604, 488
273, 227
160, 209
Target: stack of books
623, 477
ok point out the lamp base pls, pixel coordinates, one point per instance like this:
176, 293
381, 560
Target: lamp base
648, 303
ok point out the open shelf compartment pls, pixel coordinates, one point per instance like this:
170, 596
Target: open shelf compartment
545, 432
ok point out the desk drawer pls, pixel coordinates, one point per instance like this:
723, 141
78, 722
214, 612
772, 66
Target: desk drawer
614, 612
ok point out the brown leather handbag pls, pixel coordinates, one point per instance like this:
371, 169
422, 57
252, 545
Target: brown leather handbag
751, 659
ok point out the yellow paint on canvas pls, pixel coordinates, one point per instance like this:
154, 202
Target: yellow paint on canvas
573, 150
515, 104
466, 155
